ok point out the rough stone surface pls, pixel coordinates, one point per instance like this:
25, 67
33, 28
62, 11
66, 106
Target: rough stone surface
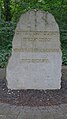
3, 73
36, 55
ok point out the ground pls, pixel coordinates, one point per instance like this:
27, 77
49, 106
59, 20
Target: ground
33, 97
33, 104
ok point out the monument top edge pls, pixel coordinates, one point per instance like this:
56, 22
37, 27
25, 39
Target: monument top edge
36, 10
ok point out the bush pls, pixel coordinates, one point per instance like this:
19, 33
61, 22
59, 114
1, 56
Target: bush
6, 36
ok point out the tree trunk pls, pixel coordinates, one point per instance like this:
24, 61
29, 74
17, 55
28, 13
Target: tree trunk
7, 10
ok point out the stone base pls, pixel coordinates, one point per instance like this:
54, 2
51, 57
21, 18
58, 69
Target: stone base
34, 74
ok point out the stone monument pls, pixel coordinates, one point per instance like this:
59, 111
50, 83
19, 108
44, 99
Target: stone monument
36, 57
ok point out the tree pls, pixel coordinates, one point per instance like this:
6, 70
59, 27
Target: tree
7, 10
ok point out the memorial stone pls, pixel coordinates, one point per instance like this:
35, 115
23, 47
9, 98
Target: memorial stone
36, 57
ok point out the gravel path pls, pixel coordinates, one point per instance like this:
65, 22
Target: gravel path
33, 97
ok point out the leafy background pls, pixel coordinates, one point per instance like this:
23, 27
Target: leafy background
10, 11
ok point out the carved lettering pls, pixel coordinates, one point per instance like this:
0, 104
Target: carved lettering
35, 50
35, 60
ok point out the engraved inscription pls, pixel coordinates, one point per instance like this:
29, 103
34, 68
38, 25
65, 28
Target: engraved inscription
37, 35
37, 32
37, 39
35, 60
42, 36
35, 50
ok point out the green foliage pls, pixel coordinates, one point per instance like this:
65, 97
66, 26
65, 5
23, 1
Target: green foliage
7, 10
6, 35
57, 7
64, 46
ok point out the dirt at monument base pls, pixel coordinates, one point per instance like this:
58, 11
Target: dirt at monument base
33, 97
